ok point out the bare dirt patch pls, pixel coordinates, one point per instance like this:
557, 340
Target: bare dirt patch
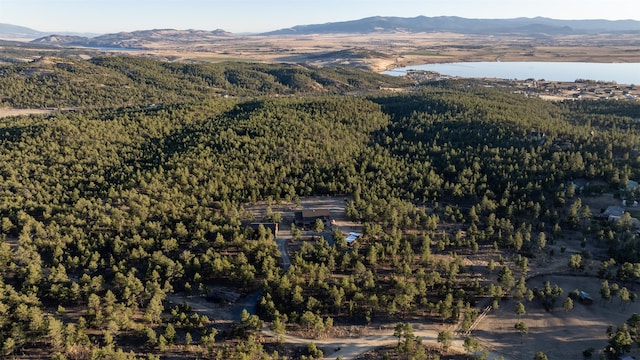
560, 334
6, 112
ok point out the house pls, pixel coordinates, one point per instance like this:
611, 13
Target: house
632, 185
353, 237
309, 217
612, 211
271, 227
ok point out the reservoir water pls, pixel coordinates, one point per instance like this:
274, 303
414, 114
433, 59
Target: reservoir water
622, 73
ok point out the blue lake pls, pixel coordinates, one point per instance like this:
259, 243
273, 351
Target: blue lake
622, 73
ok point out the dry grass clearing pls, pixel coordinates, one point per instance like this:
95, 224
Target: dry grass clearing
7, 112
383, 51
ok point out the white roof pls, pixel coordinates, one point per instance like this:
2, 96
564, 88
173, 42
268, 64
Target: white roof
353, 237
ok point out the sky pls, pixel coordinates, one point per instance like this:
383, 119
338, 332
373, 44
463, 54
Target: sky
240, 16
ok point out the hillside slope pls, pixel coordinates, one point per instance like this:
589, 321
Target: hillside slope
126, 81
136, 39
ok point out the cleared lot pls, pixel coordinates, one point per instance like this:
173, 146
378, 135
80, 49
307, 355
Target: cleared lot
6, 112
560, 334
335, 205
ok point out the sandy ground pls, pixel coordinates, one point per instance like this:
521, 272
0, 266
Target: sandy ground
560, 334
6, 112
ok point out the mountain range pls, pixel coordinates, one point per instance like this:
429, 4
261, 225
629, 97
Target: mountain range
519, 26
526, 26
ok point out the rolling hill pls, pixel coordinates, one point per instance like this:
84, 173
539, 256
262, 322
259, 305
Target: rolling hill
127, 81
15, 32
8, 31
136, 39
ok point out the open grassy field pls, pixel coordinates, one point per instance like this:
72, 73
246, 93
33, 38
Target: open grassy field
382, 51
379, 52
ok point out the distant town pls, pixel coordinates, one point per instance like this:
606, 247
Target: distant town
550, 90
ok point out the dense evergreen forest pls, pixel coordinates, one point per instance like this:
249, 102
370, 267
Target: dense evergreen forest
133, 189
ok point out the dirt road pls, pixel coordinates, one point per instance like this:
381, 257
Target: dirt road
284, 254
349, 348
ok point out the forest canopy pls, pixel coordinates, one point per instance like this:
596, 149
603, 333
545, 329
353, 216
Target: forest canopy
138, 193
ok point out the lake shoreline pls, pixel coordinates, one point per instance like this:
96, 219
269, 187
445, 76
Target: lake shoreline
547, 89
621, 73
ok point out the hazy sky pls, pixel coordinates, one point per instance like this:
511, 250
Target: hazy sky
102, 16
